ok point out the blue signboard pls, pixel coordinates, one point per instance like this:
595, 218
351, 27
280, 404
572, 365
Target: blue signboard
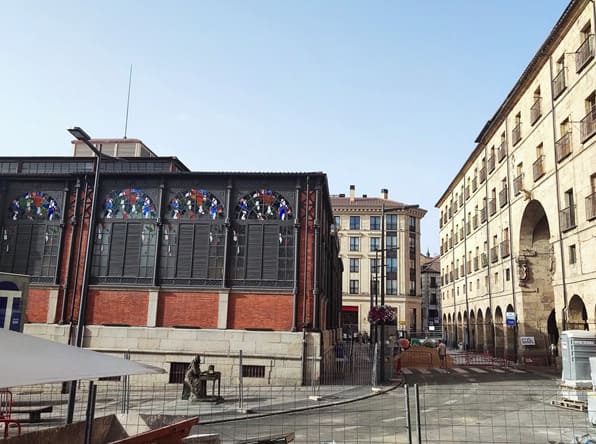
510, 319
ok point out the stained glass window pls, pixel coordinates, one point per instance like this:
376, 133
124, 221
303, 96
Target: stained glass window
263, 205
34, 205
193, 204
129, 203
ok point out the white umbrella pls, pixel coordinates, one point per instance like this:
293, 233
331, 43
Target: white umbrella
28, 360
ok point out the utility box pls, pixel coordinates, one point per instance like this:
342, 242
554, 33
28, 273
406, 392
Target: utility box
577, 346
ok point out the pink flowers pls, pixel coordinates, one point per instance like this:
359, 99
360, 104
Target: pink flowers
381, 314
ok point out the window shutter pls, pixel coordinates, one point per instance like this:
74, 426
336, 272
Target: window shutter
201, 251
270, 251
117, 249
254, 253
133, 250
185, 248
36, 248
22, 245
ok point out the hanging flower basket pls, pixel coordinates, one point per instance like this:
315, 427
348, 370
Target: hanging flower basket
381, 314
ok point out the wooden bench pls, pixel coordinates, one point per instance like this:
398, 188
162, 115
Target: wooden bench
34, 412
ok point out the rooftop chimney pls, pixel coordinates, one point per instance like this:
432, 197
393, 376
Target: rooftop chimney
384, 193
352, 193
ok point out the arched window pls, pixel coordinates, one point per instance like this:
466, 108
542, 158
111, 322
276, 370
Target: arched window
125, 238
263, 240
30, 236
193, 239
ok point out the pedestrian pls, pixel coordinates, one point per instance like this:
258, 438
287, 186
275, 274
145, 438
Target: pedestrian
442, 349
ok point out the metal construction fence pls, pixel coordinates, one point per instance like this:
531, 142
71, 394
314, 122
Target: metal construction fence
529, 411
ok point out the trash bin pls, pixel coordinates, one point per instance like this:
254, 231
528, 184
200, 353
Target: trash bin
576, 348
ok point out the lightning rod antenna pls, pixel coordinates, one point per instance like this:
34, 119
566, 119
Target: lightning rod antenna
128, 101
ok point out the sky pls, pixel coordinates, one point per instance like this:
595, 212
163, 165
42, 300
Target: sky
376, 94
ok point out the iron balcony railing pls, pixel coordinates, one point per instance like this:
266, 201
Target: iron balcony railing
536, 110
516, 133
491, 164
559, 84
469, 266
461, 233
567, 218
517, 184
474, 184
505, 248
591, 206
563, 146
462, 271
503, 197
492, 206
475, 221
584, 53
476, 260
468, 192
461, 200
502, 151
538, 168
482, 174
468, 227
483, 215
494, 254
588, 125
484, 259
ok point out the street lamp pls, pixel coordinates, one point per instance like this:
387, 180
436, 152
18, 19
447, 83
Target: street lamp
383, 249
80, 134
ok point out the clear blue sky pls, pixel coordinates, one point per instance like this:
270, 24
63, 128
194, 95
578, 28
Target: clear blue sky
373, 93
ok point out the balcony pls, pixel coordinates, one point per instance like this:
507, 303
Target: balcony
475, 221
591, 206
482, 174
502, 151
483, 215
450, 243
584, 53
468, 227
492, 206
462, 271
588, 125
536, 110
467, 192
484, 259
461, 200
461, 233
559, 84
476, 261
567, 218
538, 168
494, 254
474, 184
563, 146
517, 184
469, 265
516, 133
503, 197
451, 276
491, 164
505, 248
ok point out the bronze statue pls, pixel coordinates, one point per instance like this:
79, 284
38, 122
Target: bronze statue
191, 379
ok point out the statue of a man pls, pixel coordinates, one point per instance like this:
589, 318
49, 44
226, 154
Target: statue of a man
191, 378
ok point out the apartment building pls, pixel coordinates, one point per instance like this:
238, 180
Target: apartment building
364, 250
518, 220
430, 285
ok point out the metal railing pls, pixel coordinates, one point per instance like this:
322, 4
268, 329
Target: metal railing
559, 83
503, 197
494, 254
483, 215
588, 125
502, 151
563, 146
536, 110
482, 174
491, 164
584, 53
591, 206
492, 206
476, 267
567, 218
505, 248
516, 133
517, 184
538, 168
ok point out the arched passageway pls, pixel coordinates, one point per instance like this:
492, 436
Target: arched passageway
577, 315
489, 330
499, 333
480, 329
473, 337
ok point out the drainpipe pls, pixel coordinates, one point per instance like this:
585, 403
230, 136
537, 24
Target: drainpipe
304, 292
228, 225
158, 229
62, 234
315, 284
510, 240
561, 248
466, 264
73, 224
296, 257
488, 262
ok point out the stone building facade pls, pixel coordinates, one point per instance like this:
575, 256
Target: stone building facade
430, 285
359, 227
179, 263
518, 221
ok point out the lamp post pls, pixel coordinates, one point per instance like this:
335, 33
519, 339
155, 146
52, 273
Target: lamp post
383, 249
80, 134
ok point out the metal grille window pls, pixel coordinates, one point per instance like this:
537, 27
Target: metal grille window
30, 237
253, 371
124, 247
263, 241
177, 372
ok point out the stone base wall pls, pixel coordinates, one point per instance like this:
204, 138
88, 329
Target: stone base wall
279, 352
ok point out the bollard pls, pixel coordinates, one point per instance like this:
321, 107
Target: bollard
408, 420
